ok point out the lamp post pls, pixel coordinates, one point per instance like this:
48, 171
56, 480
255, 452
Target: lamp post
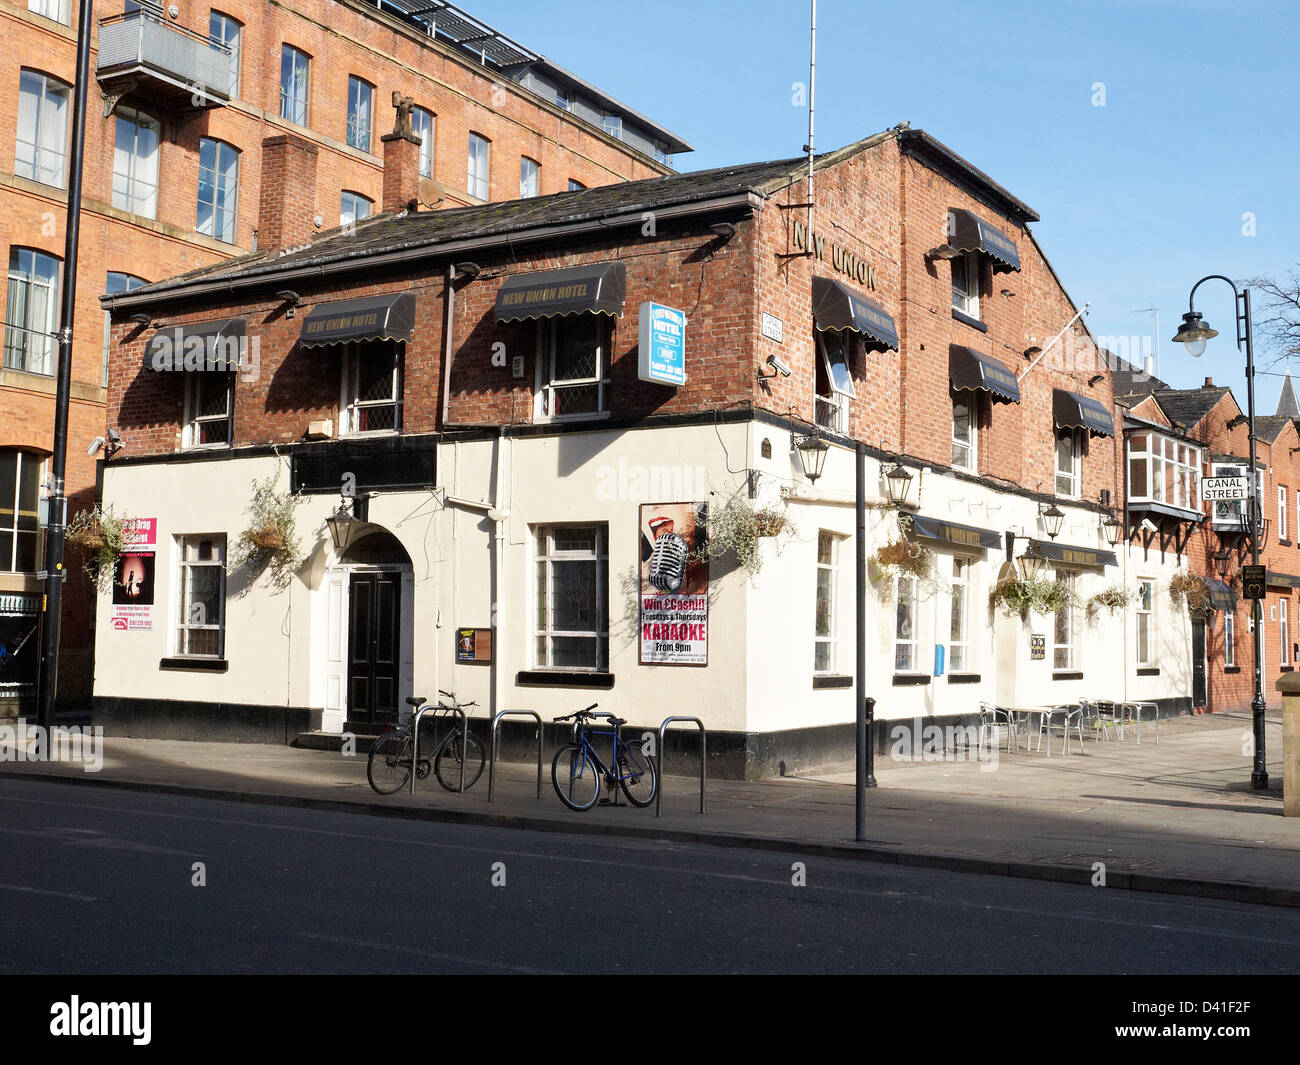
1193, 334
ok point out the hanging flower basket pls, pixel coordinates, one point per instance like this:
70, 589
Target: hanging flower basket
270, 543
1192, 591
1114, 598
267, 538
102, 537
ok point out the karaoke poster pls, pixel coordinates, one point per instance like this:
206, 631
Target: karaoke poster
674, 584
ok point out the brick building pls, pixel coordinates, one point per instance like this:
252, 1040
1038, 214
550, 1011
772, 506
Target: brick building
196, 123
498, 455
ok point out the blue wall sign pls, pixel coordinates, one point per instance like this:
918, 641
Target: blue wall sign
662, 352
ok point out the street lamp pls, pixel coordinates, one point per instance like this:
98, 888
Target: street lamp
1053, 518
898, 481
1113, 529
1221, 563
1193, 333
343, 527
1032, 563
812, 455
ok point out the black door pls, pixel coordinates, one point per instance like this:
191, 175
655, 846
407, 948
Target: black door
374, 646
1198, 662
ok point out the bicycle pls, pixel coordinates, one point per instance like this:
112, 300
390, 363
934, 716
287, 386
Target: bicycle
389, 767
577, 770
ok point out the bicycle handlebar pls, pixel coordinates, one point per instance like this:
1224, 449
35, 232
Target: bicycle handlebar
581, 713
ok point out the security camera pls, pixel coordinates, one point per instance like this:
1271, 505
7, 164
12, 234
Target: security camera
1149, 525
114, 437
95, 445
778, 366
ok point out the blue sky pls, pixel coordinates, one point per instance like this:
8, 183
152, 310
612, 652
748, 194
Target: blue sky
1139, 198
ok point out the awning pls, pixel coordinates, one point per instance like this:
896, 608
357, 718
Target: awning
1073, 411
836, 307
1072, 556
1222, 597
949, 532
205, 346
389, 317
1280, 580
972, 233
597, 289
968, 369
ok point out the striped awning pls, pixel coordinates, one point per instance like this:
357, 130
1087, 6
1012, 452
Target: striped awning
1073, 411
211, 347
972, 233
836, 307
599, 288
390, 317
1222, 597
971, 370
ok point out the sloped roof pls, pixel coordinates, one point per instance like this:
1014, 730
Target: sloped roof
1287, 404
1132, 383
1189, 405
1270, 426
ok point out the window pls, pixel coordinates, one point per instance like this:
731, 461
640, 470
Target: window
201, 597
959, 633
360, 108
223, 30
20, 478
576, 186
964, 430
135, 163
354, 207
1229, 639
572, 607
966, 284
424, 125
613, 125
42, 141
530, 172
905, 645
1281, 512
1163, 470
833, 382
116, 283
571, 366
295, 77
1228, 514
1063, 634
31, 311
1068, 446
1145, 621
207, 409
479, 163
563, 100
218, 189
1282, 631
372, 388
51, 9
826, 627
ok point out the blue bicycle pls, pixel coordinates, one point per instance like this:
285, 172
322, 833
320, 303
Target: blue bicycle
578, 769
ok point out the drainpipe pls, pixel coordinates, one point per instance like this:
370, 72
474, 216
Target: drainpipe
496, 618
447, 333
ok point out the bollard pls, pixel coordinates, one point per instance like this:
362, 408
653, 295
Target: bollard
1289, 686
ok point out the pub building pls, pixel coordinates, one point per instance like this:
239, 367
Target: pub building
599, 447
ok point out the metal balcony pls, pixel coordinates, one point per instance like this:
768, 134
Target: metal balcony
142, 52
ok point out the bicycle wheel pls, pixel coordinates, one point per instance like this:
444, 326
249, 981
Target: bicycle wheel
389, 767
576, 778
446, 766
636, 776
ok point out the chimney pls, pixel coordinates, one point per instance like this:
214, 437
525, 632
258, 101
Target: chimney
1209, 382
287, 211
401, 171
1149, 366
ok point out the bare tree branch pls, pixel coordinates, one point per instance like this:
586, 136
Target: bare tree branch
1277, 321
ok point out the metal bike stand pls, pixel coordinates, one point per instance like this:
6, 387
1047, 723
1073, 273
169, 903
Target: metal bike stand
415, 741
659, 759
492, 750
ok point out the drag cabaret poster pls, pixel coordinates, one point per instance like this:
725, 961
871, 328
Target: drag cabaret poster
674, 590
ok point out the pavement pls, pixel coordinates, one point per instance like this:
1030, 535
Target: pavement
1176, 816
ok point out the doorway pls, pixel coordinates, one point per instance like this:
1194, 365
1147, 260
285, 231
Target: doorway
1198, 662
374, 650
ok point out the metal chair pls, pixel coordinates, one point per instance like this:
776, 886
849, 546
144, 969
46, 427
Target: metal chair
997, 722
1071, 720
1107, 718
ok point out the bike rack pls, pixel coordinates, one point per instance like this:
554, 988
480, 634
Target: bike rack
492, 751
659, 759
428, 708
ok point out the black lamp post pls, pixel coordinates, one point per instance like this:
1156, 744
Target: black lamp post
1194, 333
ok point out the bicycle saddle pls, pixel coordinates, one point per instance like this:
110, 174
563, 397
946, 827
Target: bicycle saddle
616, 721
414, 700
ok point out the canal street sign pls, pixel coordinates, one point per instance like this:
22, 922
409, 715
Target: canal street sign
1224, 489
1252, 582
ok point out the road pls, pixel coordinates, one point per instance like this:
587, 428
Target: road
96, 880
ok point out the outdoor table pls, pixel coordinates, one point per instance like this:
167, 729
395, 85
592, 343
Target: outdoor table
1046, 711
1135, 710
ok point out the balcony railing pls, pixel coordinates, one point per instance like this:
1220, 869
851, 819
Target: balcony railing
142, 50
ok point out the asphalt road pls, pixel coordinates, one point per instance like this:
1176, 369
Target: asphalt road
94, 880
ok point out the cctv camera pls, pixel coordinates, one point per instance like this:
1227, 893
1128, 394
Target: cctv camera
95, 445
778, 366
1149, 525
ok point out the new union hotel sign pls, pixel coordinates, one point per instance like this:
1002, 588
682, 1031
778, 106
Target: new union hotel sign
842, 259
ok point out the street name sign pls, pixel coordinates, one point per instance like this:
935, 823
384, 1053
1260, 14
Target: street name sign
1224, 489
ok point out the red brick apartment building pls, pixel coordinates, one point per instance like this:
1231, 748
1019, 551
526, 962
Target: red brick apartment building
1223, 643
501, 424
198, 116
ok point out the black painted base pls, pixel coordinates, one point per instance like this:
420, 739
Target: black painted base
162, 719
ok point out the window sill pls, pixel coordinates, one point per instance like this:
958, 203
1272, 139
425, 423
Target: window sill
1148, 671
831, 680
966, 319
1067, 674
196, 665
1231, 669
963, 678
559, 678
1282, 542
1286, 669
564, 419
902, 680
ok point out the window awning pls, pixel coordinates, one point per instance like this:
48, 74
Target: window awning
1072, 556
390, 317
836, 307
212, 347
972, 233
599, 288
1222, 597
1073, 411
968, 369
949, 532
